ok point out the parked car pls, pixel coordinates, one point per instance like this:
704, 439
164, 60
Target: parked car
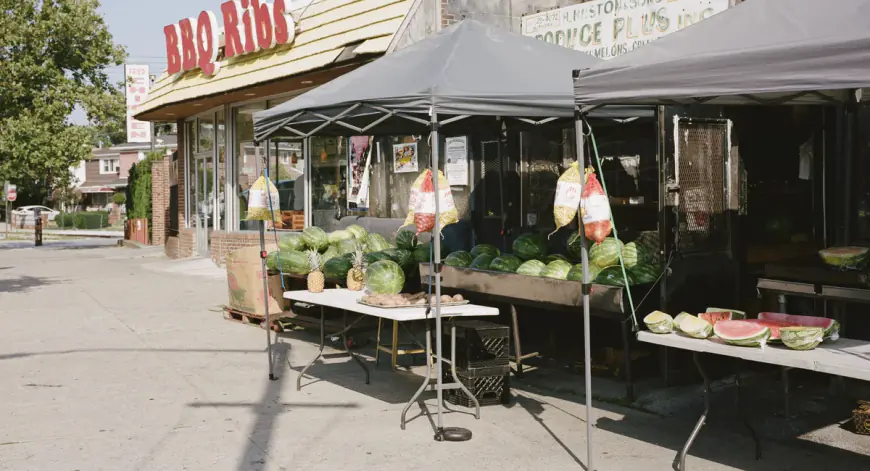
25, 214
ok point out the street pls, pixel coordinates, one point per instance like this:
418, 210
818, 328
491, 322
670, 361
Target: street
117, 359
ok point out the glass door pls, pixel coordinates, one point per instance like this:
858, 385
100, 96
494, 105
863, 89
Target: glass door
205, 188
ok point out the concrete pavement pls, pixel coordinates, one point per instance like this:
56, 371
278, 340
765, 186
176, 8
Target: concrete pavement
114, 361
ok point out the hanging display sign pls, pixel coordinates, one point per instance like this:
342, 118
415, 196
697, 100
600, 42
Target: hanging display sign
248, 26
608, 28
457, 161
357, 155
137, 82
405, 158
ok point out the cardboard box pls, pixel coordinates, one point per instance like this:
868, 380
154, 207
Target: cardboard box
245, 283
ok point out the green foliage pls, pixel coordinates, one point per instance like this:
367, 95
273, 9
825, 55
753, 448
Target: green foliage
139, 187
83, 220
54, 57
64, 220
119, 198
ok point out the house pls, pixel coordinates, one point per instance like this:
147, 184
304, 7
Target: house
107, 170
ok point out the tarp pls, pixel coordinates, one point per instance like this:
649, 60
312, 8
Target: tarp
761, 51
469, 69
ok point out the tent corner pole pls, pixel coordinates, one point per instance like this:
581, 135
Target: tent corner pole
436, 261
587, 289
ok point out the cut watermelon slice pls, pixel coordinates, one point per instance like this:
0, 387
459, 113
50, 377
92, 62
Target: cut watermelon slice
830, 326
774, 327
735, 314
742, 333
714, 317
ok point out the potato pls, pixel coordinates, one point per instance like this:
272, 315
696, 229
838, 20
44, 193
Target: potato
420, 302
458, 298
446, 298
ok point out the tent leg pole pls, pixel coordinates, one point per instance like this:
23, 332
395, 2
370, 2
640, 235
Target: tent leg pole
268, 320
587, 334
685, 450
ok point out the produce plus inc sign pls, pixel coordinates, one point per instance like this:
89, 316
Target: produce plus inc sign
248, 26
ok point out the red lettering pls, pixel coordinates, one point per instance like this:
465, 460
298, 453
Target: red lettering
188, 48
173, 51
232, 33
248, 22
285, 27
265, 30
207, 43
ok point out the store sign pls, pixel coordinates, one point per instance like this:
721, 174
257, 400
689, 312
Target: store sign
608, 28
137, 85
248, 26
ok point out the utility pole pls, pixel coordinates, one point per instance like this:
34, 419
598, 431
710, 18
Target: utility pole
152, 78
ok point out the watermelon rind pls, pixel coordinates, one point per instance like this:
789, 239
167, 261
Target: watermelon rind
612, 276
659, 322
506, 263
335, 237
554, 257
406, 239
530, 247
695, 327
576, 273
485, 249
644, 273
557, 270
757, 339
358, 232
679, 319
606, 254
801, 338
735, 314
377, 243
849, 258
830, 326
291, 241
384, 277
481, 262
315, 238
531, 268
337, 268
460, 259
634, 254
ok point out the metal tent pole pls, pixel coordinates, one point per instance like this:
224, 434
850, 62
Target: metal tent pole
587, 288
268, 322
436, 236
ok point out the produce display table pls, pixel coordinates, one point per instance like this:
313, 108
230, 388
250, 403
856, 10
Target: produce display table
845, 357
348, 301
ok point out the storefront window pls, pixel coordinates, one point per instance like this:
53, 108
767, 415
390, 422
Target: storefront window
221, 171
249, 157
190, 182
328, 179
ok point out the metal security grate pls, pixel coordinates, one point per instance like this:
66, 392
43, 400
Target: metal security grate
702, 150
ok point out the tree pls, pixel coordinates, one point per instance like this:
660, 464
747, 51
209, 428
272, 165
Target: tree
54, 56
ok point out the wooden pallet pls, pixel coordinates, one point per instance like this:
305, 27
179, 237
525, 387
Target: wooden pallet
278, 325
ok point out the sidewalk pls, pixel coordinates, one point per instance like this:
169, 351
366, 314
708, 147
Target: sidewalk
112, 362
66, 232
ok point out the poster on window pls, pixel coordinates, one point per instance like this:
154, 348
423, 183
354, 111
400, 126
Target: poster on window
405, 158
357, 153
457, 161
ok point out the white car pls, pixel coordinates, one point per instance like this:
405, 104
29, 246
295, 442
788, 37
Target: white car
26, 212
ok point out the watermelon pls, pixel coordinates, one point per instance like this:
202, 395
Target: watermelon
576, 272
680, 318
574, 246
557, 270
845, 257
554, 257
294, 262
481, 262
400, 256
735, 315
774, 327
347, 246
643, 274
461, 259
272, 261
802, 338
486, 249
531, 268
634, 254
422, 253
357, 231
291, 241
337, 268
330, 253
606, 254
714, 317
830, 326
376, 257
612, 276
385, 277
335, 237
695, 327
377, 243
742, 333
530, 247
505, 263
659, 322
315, 238
406, 239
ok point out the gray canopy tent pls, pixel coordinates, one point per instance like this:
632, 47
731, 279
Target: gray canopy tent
467, 73
774, 52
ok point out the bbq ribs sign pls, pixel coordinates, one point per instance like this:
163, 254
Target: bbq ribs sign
248, 26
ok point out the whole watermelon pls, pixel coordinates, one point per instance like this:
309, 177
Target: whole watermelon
644, 273
291, 241
557, 270
335, 237
373, 257
634, 254
347, 246
612, 276
272, 261
461, 259
505, 263
376, 243
481, 262
357, 231
295, 262
574, 246
315, 238
554, 257
421, 253
401, 256
337, 268
576, 273
385, 277
485, 249
531, 268
406, 239
330, 253
530, 247
605, 254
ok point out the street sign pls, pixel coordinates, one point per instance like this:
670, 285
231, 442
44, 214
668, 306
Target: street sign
11, 192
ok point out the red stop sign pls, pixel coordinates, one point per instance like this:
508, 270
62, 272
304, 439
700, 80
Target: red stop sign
12, 194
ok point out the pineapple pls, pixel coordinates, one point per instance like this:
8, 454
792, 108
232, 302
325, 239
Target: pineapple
316, 280
355, 275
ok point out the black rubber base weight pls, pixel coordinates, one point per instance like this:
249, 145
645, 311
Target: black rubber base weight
453, 434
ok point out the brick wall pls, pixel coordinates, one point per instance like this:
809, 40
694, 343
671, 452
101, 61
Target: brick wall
448, 17
181, 245
160, 200
223, 243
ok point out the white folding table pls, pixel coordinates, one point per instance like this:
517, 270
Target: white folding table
348, 301
845, 357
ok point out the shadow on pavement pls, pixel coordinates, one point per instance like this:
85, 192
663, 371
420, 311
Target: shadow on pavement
23, 284
535, 409
13, 356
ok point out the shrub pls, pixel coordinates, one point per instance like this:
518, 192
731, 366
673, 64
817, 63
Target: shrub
119, 198
64, 220
90, 220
